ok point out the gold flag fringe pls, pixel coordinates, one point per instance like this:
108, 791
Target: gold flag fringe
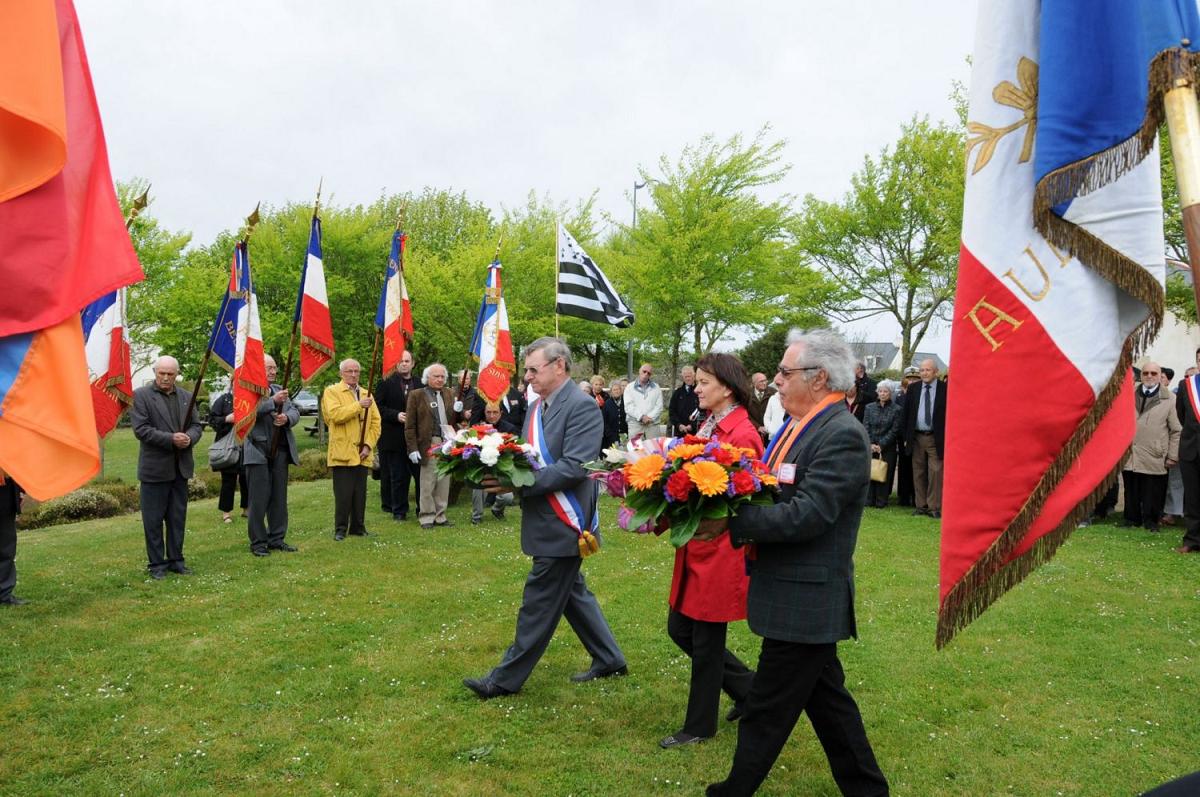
992, 576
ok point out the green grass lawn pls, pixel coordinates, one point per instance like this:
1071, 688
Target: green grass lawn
337, 670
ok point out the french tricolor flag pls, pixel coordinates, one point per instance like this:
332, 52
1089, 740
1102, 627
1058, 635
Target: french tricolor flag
491, 344
1060, 277
106, 346
394, 314
249, 381
312, 310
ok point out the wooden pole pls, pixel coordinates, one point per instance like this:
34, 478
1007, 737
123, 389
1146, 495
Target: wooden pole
1183, 124
362, 432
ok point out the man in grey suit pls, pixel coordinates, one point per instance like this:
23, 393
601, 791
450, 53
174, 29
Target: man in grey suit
267, 475
801, 598
164, 464
570, 430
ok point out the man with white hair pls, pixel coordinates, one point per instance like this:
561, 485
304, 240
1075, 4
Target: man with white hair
801, 597
643, 404
270, 448
925, 437
167, 431
354, 427
431, 414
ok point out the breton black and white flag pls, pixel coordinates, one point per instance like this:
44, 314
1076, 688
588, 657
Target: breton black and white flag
583, 290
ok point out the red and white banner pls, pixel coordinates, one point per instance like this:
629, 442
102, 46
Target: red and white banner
106, 345
312, 310
1041, 413
394, 316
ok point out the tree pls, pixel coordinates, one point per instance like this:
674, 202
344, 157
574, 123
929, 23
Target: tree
892, 243
710, 255
1180, 299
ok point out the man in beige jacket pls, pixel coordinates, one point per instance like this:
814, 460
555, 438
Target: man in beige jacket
1155, 450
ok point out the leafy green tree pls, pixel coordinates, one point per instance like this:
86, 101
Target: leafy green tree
1180, 299
710, 255
892, 242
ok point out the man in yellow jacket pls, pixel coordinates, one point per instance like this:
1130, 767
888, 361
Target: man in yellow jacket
345, 406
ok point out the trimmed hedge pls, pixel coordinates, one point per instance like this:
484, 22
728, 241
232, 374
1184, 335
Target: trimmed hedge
82, 504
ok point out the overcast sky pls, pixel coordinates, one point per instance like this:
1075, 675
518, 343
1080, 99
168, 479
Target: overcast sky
220, 104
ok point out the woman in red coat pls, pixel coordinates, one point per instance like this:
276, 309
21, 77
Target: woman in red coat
708, 589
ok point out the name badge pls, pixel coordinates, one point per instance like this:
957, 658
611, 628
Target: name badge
787, 473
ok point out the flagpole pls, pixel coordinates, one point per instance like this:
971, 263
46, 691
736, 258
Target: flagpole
251, 223
287, 369
362, 432
1183, 125
554, 271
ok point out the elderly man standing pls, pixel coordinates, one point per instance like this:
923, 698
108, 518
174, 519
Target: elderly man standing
346, 406
925, 437
267, 472
565, 426
757, 406
643, 404
684, 410
801, 598
165, 464
1155, 450
396, 472
431, 415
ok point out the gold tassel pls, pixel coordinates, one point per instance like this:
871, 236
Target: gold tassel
588, 544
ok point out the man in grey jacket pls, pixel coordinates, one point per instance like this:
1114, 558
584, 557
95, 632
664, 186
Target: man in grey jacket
267, 475
801, 597
566, 425
164, 464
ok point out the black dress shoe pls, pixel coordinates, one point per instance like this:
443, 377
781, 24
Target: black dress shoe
597, 672
283, 546
920, 511
485, 688
259, 552
158, 575
12, 600
426, 526
363, 533
736, 713
937, 513
182, 570
680, 739
400, 516
444, 524
339, 536
498, 513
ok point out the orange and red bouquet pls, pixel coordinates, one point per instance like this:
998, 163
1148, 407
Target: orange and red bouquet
687, 479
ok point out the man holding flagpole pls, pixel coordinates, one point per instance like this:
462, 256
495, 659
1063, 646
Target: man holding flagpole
565, 426
267, 471
346, 406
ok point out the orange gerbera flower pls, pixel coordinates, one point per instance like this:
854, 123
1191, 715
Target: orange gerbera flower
768, 479
646, 472
685, 451
709, 477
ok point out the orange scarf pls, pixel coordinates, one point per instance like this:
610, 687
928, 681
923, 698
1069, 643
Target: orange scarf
796, 428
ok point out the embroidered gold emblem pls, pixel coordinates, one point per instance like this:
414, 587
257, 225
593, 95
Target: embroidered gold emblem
1024, 99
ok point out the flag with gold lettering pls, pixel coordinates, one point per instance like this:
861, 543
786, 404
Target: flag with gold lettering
1060, 277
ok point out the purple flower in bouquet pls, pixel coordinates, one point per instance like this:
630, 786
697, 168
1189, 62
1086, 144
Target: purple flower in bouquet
625, 514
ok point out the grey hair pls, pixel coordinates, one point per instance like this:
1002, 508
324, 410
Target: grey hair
430, 367
890, 385
552, 349
829, 351
342, 364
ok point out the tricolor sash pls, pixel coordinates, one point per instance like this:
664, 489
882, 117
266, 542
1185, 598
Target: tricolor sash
564, 504
1193, 393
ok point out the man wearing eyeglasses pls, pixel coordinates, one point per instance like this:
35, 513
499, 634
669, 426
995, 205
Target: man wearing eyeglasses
566, 426
925, 437
643, 404
801, 563
1155, 450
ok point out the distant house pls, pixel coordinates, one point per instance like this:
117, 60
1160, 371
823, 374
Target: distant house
879, 357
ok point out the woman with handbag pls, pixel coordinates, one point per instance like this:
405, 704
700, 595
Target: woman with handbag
220, 418
882, 420
708, 587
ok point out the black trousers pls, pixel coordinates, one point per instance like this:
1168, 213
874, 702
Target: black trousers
9, 504
268, 522
1190, 471
792, 678
349, 498
164, 503
1145, 495
879, 492
231, 479
396, 476
714, 668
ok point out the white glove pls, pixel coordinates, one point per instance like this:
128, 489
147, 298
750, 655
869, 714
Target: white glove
458, 406
414, 457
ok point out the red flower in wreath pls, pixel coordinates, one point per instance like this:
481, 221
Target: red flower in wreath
743, 482
679, 486
723, 455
